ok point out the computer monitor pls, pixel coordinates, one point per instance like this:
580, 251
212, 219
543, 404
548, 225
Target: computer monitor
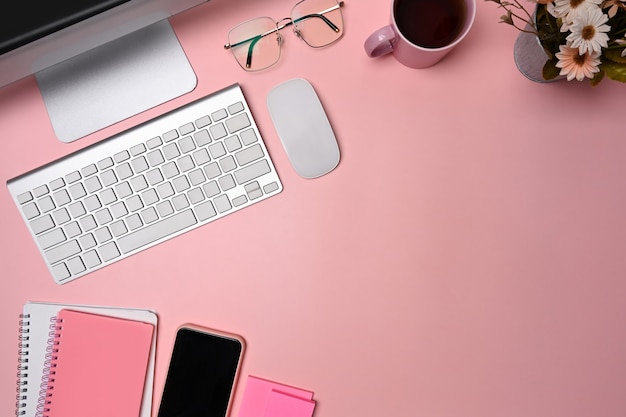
97, 62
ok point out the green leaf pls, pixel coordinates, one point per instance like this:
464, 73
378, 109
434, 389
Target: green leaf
615, 71
598, 76
615, 55
550, 70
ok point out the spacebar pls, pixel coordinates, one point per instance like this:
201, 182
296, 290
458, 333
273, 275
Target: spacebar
156, 231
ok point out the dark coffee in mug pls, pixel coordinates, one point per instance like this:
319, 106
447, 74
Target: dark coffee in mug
430, 23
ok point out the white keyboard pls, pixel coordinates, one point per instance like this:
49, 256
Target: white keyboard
134, 190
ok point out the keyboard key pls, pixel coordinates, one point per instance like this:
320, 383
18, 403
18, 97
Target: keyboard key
77, 191
124, 171
91, 259
72, 229
165, 190
253, 171
108, 178
30, 211
56, 184
103, 235
180, 202
186, 144
108, 251
61, 198
185, 163
164, 208
49, 239
149, 215
211, 189
134, 221
139, 183
202, 138
157, 231
217, 150
73, 177
42, 224
253, 190
238, 122
219, 115
88, 223
123, 190
196, 177
61, 216
203, 121
154, 176
250, 154
105, 163
195, 195
205, 211
137, 149
87, 241
24, 197
119, 210
236, 108
248, 137
46, 204
118, 228
76, 265
154, 142
271, 187
63, 251
227, 182
222, 204
170, 136
103, 216
93, 184
121, 156
170, 170
218, 131
201, 157
89, 170
155, 157
186, 129
171, 151
232, 143
61, 272
92, 203
149, 197
238, 201
107, 196
134, 203
227, 163
139, 164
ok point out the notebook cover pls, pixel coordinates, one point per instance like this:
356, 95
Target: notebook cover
280, 404
35, 323
98, 367
258, 393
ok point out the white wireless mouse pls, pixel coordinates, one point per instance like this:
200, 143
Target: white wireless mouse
303, 128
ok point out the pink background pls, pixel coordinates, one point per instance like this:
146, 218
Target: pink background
466, 258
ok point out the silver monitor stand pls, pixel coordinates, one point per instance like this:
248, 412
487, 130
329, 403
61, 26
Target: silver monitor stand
115, 81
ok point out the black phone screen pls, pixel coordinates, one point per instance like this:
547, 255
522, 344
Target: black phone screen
201, 375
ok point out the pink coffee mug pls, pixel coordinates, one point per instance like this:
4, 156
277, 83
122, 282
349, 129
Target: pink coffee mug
422, 32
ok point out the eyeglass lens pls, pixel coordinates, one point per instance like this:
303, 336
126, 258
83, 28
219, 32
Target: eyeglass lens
256, 44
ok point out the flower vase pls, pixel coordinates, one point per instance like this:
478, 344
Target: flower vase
530, 56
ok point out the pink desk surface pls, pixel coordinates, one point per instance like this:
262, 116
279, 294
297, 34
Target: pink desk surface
466, 258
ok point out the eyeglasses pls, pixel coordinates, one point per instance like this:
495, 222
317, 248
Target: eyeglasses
256, 44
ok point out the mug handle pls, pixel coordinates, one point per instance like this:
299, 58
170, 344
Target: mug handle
380, 42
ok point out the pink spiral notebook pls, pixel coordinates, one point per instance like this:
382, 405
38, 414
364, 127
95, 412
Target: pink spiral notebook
98, 366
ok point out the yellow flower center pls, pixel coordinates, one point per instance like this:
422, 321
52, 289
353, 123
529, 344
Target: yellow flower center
588, 32
580, 59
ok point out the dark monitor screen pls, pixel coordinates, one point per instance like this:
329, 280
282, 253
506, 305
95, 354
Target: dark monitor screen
29, 20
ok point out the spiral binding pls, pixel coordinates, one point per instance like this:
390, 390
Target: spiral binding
47, 379
22, 365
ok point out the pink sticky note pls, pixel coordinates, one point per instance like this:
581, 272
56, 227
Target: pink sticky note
280, 404
258, 392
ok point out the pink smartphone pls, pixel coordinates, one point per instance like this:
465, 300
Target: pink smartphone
202, 373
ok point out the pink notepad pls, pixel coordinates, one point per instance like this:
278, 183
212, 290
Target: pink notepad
100, 366
264, 398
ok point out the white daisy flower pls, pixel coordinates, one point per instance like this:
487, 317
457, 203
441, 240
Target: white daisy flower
589, 31
575, 65
568, 10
